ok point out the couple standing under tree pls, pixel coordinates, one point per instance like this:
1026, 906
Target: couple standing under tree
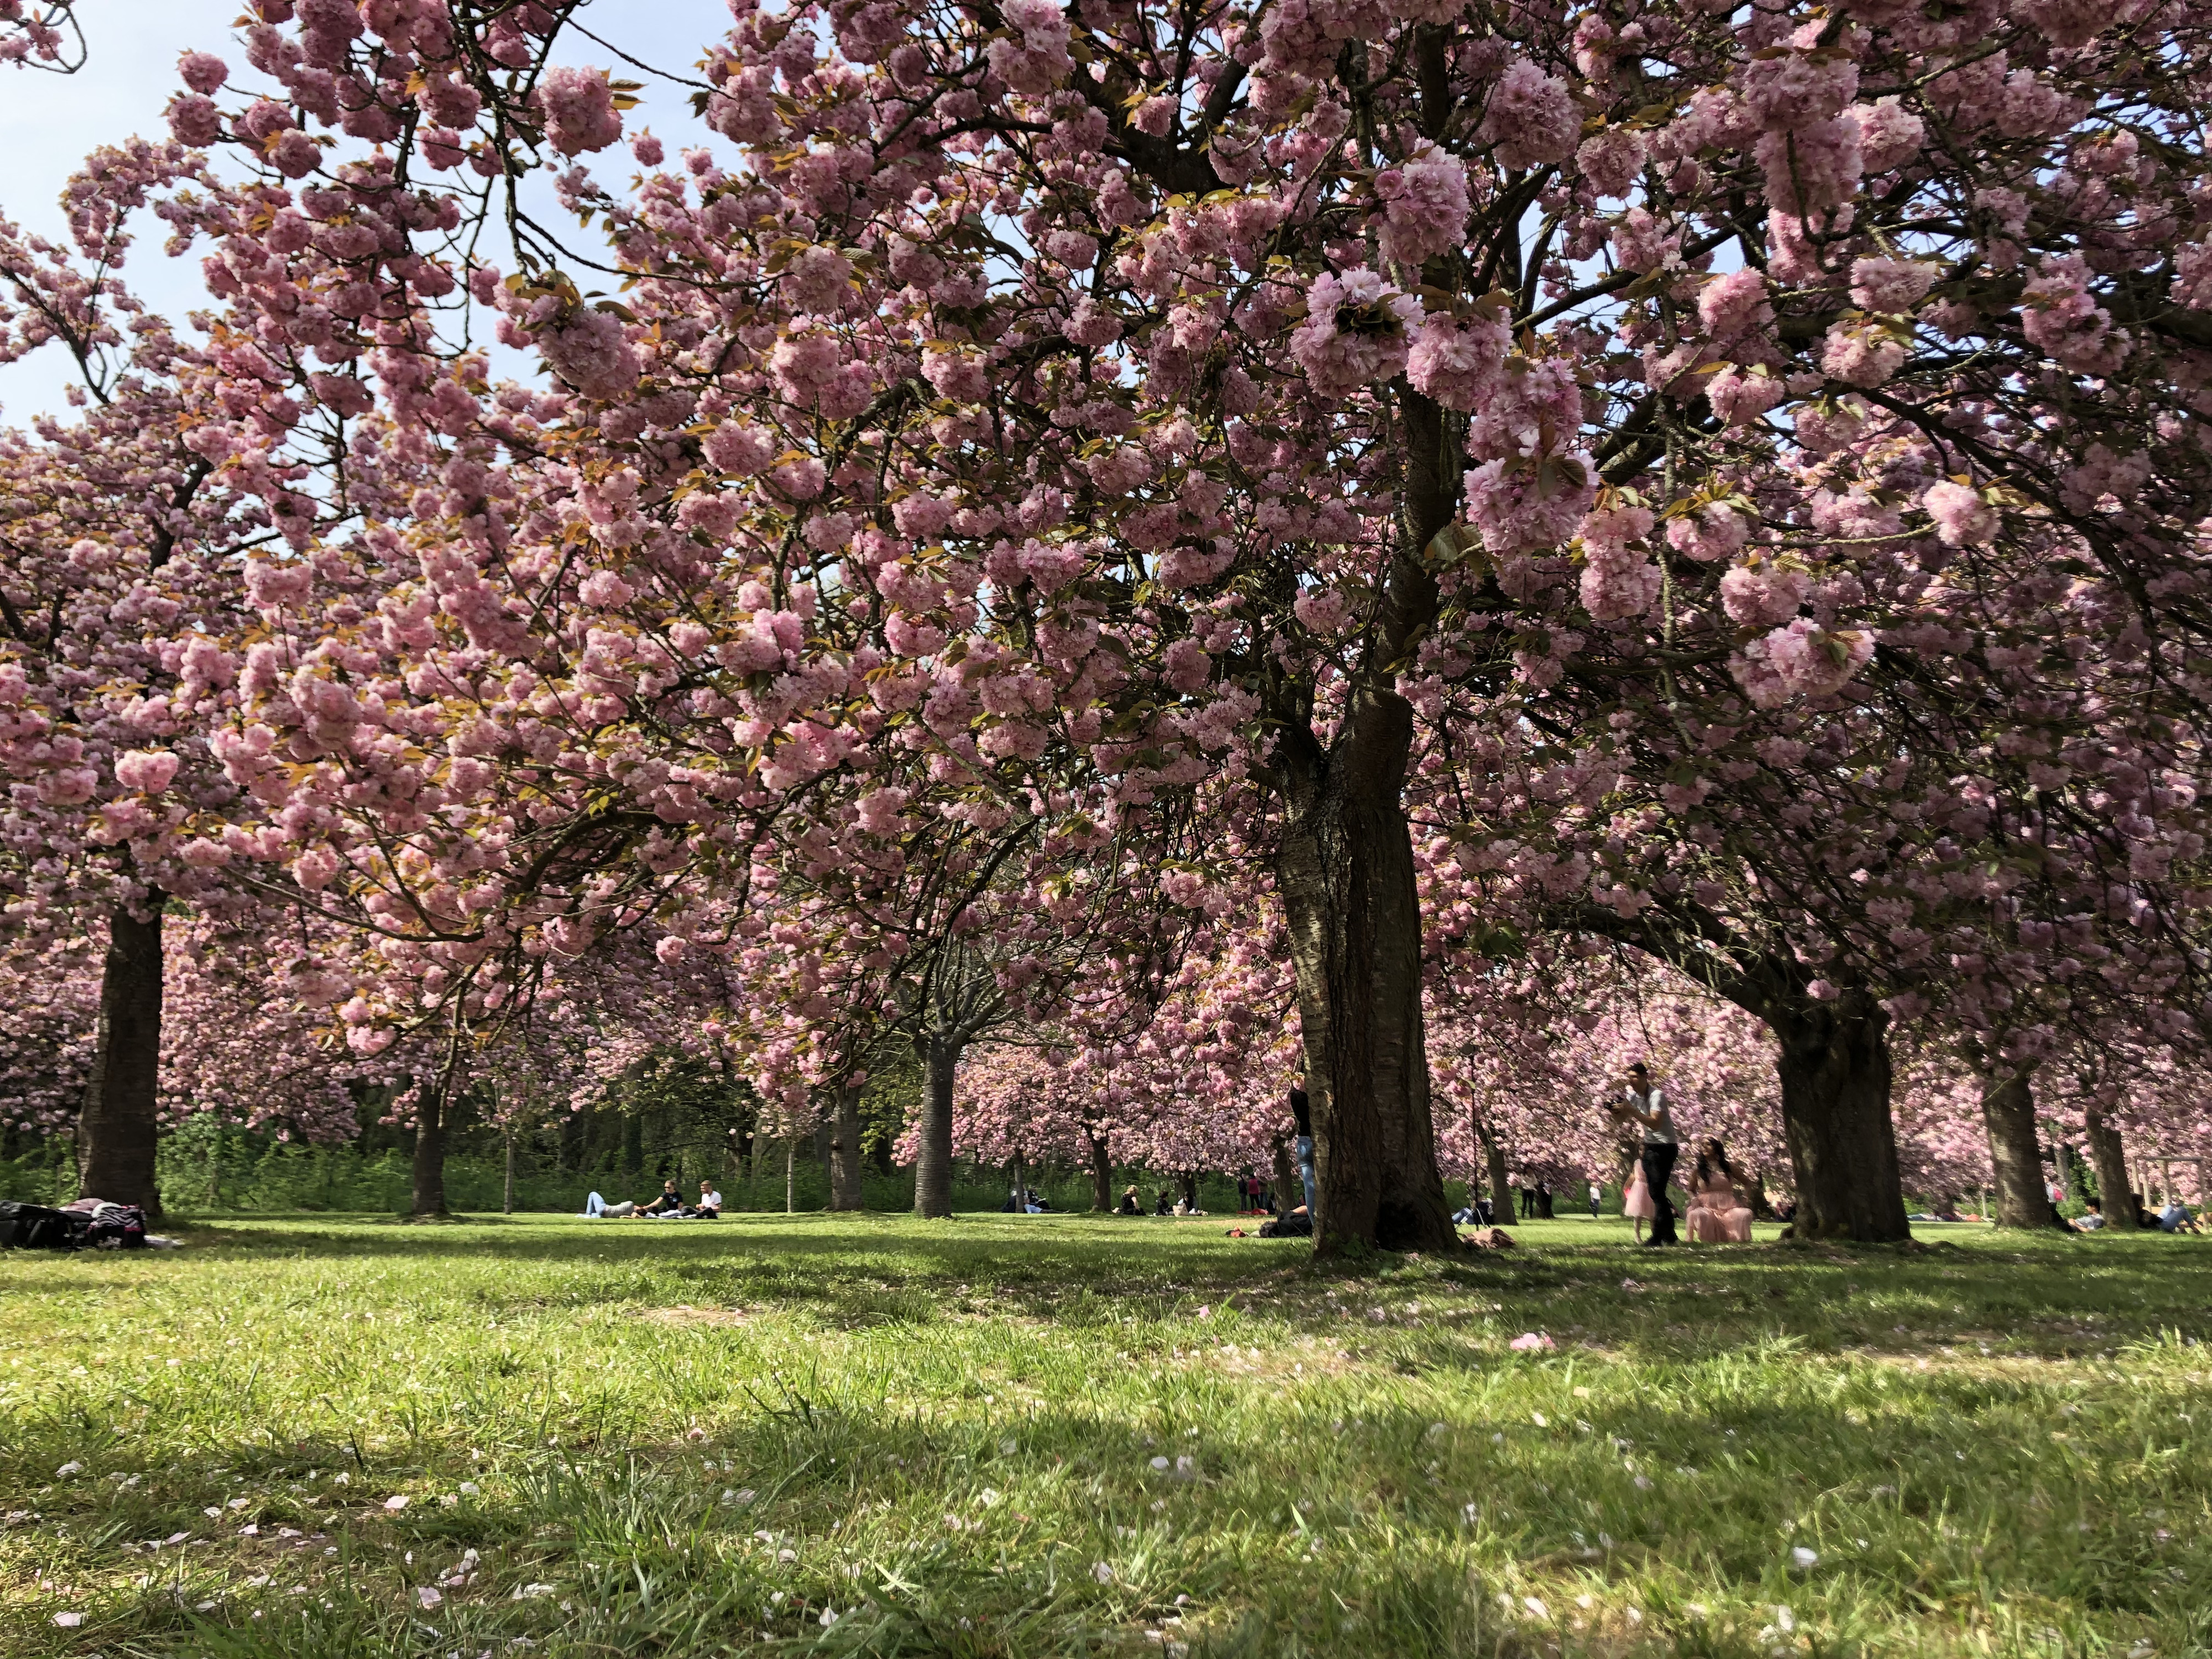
1718, 1215
1643, 1103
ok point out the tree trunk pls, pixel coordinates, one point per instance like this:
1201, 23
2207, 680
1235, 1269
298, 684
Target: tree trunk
2008, 1113
1835, 1076
632, 1152
430, 1153
1101, 1175
1494, 1162
791, 1174
1287, 1196
2069, 1171
118, 1130
845, 1192
932, 1161
1762, 1209
2109, 1159
1189, 1181
506, 1205
1346, 874
1021, 1180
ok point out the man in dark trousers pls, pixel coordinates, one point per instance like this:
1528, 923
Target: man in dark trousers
1301, 1113
1645, 1104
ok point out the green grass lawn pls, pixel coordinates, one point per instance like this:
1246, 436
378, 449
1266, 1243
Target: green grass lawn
1040, 1436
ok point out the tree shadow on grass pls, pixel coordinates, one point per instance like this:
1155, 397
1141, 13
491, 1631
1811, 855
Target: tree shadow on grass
2028, 1297
1684, 1499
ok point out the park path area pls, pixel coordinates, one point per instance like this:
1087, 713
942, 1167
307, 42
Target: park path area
1045, 1435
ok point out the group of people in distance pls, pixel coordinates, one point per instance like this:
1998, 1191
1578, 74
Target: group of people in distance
1132, 1203
1717, 1214
2175, 1217
668, 1206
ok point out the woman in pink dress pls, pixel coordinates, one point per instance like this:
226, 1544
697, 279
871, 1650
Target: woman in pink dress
1717, 1215
1636, 1200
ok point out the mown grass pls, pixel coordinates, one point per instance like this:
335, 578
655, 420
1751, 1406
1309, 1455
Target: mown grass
1045, 1435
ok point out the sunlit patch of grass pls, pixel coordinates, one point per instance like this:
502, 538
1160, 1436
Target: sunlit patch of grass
1044, 1436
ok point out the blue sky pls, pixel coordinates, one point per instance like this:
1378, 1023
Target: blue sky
49, 123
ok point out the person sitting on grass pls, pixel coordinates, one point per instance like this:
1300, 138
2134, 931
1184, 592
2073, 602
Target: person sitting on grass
710, 1202
2091, 1222
1165, 1206
1717, 1215
1131, 1204
669, 1203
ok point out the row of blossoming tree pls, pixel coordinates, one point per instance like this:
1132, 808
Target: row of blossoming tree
1341, 536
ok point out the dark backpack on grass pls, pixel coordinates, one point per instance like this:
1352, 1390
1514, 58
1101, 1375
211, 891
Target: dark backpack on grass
35, 1227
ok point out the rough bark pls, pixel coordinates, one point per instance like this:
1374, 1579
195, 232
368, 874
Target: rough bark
117, 1131
430, 1153
1101, 1175
2108, 1157
1501, 1183
1288, 1196
2016, 1155
1346, 874
507, 1203
1835, 1076
1493, 1168
932, 1163
845, 1192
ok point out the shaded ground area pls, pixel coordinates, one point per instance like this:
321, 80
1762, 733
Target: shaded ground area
1045, 1435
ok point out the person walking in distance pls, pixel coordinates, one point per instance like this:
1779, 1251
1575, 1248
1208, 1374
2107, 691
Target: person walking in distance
1302, 1113
1596, 1198
1643, 1103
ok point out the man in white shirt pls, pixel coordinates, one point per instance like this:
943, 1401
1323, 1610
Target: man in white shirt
1645, 1105
710, 1201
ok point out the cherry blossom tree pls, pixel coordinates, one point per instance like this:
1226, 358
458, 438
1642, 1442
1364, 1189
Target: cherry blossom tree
1731, 481
41, 34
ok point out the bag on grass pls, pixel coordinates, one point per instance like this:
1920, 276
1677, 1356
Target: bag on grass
35, 1227
117, 1227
